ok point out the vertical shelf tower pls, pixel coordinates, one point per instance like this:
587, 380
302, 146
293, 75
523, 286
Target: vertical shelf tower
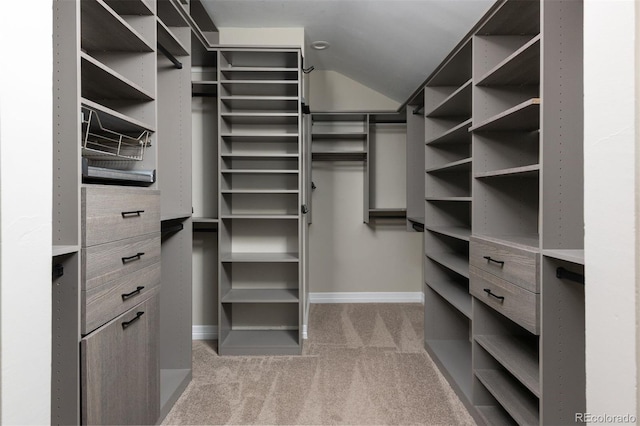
260, 204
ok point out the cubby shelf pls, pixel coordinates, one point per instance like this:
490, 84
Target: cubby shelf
259, 216
259, 191
258, 136
204, 87
456, 104
101, 82
258, 69
170, 14
522, 406
453, 293
574, 256
454, 166
339, 135
520, 68
495, 416
457, 134
115, 120
104, 30
239, 342
260, 117
523, 117
258, 171
284, 295
169, 41
455, 358
259, 156
531, 171
449, 199
456, 232
260, 103
516, 356
130, 7
456, 262
61, 250
259, 257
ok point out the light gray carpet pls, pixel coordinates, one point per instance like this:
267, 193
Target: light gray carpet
362, 364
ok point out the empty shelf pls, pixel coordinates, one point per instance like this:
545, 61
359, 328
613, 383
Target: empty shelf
495, 416
269, 155
525, 241
204, 87
130, 7
339, 156
260, 87
258, 171
454, 358
513, 398
418, 220
169, 41
114, 120
449, 199
520, 68
103, 30
170, 15
531, 171
388, 212
524, 116
261, 103
261, 342
259, 257
573, 256
339, 135
454, 166
457, 232
453, 293
259, 137
457, 134
259, 191
259, 216
60, 250
260, 117
453, 261
283, 295
101, 82
456, 104
516, 356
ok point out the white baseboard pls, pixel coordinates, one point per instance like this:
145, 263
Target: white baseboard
204, 332
367, 297
304, 331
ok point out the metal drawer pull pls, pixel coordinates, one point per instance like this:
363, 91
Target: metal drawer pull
133, 293
136, 256
489, 259
132, 213
128, 323
490, 293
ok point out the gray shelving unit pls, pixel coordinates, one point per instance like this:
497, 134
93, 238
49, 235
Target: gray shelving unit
415, 162
260, 205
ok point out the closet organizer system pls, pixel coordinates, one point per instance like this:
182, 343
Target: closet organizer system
126, 74
500, 122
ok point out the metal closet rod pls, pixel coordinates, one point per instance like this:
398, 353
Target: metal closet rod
562, 273
169, 56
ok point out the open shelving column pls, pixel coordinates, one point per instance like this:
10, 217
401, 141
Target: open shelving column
260, 182
415, 162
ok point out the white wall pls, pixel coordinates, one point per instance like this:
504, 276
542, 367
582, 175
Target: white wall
25, 201
611, 209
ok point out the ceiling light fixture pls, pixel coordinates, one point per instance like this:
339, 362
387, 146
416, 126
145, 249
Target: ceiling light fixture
320, 45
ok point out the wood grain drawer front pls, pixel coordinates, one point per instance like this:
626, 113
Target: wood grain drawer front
516, 265
103, 303
120, 370
512, 301
112, 261
112, 214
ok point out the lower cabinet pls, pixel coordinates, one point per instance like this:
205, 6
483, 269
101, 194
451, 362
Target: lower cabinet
119, 369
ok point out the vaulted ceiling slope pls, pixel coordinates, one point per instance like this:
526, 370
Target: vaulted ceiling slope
389, 45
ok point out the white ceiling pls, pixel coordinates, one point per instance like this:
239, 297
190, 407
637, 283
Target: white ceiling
388, 45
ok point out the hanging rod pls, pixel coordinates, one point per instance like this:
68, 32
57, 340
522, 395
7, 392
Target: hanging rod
562, 273
338, 156
169, 227
169, 56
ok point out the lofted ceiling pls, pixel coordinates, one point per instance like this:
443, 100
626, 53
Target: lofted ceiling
389, 45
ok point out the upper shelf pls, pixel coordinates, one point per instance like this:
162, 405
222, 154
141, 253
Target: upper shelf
455, 70
260, 117
456, 104
454, 166
101, 82
170, 14
116, 121
574, 256
457, 134
520, 68
524, 117
263, 58
338, 135
104, 30
169, 41
130, 7
513, 18
261, 103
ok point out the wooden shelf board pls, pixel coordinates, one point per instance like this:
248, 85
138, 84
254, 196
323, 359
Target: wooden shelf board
100, 81
104, 30
169, 13
452, 261
453, 293
457, 134
205, 220
531, 171
515, 400
169, 41
454, 166
449, 199
258, 137
259, 257
130, 7
495, 416
574, 256
516, 356
261, 296
60, 250
520, 68
454, 356
457, 232
259, 191
455, 105
259, 216
258, 171
255, 342
260, 82
415, 219
258, 69
260, 118
115, 120
259, 156
524, 241
388, 212
339, 135
524, 116
339, 155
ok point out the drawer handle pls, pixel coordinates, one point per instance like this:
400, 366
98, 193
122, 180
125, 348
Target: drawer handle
128, 323
136, 256
133, 293
490, 293
499, 262
132, 213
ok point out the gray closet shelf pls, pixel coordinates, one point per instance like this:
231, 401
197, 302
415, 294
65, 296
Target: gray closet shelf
258, 171
454, 293
169, 41
454, 356
258, 136
458, 134
115, 120
259, 191
259, 216
61, 250
389, 212
259, 257
339, 156
103, 30
521, 405
449, 199
205, 220
454, 166
258, 69
130, 7
516, 356
339, 135
252, 156
101, 82
261, 104
524, 116
524, 241
457, 103
520, 68
574, 256
170, 14
261, 341
279, 295
260, 118
532, 171
455, 70
495, 415
457, 232
456, 262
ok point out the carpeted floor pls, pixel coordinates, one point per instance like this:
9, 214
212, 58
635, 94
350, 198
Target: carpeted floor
362, 364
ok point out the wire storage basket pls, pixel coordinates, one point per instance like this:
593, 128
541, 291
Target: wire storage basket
102, 143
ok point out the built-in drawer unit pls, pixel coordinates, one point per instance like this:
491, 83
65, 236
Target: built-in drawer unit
102, 303
112, 214
112, 261
514, 302
119, 365
514, 264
